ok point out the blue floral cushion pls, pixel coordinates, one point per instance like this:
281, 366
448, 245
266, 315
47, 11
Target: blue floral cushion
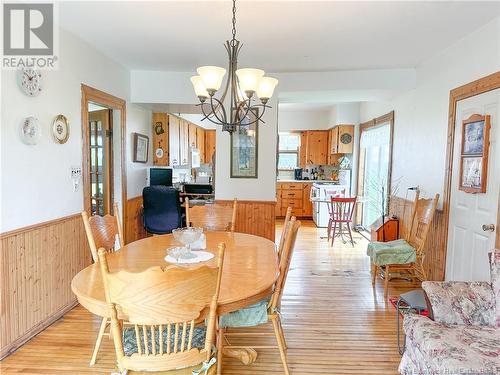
392, 252
130, 342
250, 316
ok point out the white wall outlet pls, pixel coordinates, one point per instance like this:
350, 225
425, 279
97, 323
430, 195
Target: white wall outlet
76, 177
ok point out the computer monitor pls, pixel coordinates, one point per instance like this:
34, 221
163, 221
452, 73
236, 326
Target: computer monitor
159, 176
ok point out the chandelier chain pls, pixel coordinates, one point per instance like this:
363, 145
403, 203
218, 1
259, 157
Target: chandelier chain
234, 20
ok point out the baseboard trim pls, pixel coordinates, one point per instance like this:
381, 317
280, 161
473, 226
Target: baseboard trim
35, 330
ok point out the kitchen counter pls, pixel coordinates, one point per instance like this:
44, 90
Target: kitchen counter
304, 181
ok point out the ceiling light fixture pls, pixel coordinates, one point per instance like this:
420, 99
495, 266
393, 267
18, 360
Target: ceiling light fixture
242, 85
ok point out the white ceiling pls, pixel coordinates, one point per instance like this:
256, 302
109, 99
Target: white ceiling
278, 36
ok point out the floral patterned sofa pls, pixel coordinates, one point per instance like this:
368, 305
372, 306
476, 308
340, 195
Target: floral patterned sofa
464, 335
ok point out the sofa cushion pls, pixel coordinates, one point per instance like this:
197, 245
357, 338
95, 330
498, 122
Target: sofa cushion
495, 281
392, 252
458, 302
455, 349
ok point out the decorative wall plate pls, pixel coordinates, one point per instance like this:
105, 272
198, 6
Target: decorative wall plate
30, 130
60, 129
30, 80
346, 138
159, 152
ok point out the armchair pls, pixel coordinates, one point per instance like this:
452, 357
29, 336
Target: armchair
463, 334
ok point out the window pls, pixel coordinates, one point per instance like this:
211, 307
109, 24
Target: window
288, 154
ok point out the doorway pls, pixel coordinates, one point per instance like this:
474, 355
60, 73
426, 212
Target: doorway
374, 169
104, 172
468, 241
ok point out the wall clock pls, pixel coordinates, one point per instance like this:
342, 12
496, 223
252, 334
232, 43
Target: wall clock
30, 130
346, 138
60, 129
30, 80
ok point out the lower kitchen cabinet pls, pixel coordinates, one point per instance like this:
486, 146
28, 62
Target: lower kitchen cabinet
295, 195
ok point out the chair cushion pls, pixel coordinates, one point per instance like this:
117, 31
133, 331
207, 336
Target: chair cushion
248, 317
130, 342
392, 252
436, 348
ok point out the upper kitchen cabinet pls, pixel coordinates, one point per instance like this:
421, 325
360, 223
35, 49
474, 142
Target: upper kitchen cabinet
174, 124
313, 147
341, 139
200, 142
209, 145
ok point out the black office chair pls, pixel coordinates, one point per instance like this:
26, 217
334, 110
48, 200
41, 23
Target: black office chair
162, 209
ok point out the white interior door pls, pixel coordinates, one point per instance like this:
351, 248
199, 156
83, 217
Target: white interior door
468, 243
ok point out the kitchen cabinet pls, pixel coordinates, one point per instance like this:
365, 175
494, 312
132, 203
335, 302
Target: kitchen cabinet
334, 140
341, 139
313, 147
192, 135
307, 208
174, 124
200, 142
345, 139
295, 195
209, 145
183, 142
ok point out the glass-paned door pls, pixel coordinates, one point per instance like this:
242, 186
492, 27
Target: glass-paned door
101, 163
374, 172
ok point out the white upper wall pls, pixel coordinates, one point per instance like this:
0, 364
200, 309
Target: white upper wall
421, 115
36, 184
303, 120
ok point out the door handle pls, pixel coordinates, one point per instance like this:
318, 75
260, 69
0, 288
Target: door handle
489, 227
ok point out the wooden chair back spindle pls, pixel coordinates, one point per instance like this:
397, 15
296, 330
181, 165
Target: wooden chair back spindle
102, 231
423, 212
284, 231
158, 301
284, 262
212, 217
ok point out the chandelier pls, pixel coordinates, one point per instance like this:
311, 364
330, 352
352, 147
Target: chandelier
242, 85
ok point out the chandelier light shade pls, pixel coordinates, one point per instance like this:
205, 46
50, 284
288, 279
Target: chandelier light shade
243, 88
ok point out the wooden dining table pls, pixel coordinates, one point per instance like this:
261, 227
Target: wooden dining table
249, 272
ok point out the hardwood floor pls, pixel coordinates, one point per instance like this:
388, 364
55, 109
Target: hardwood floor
334, 322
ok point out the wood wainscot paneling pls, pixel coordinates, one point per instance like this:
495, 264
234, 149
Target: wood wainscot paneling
252, 217
135, 226
435, 250
255, 217
37, 264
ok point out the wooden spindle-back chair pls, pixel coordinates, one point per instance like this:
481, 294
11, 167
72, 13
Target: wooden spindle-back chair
212, 216
163, 306
340, 211
281, 244
273, 307
420, 222
101, 233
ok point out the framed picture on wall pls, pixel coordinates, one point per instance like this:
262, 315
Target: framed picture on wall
141, 147
474, 156
244, 148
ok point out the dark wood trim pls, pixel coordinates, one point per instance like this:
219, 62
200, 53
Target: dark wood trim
17, 231
90, 94
388, 117
480, 86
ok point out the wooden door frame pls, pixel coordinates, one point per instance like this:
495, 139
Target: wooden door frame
480, 86
388, 117
90, 94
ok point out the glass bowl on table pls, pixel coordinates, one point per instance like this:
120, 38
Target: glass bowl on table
187, 236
